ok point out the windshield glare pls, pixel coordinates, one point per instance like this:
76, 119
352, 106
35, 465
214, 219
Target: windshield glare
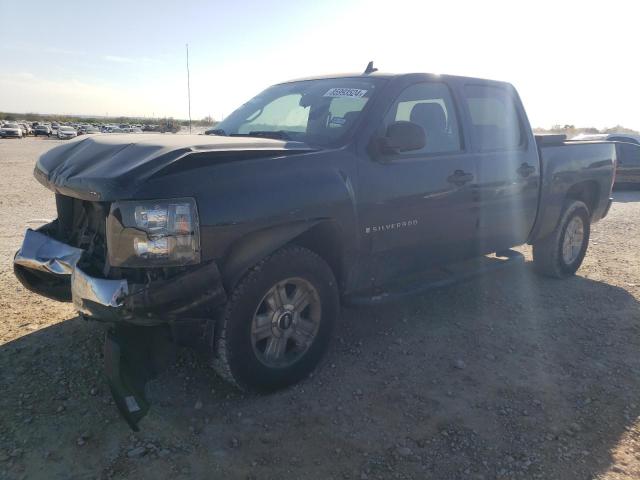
316, 112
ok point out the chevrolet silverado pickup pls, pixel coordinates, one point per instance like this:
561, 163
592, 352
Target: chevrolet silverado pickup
343, 189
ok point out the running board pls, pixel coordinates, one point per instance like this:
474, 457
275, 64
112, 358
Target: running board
444, 277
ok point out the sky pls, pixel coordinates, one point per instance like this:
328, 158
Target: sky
573, 62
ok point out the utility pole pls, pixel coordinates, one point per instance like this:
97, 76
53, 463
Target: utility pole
188, 88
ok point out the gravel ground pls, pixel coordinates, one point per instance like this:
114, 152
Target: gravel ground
508, 376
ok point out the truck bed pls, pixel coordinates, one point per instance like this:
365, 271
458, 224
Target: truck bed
583, 170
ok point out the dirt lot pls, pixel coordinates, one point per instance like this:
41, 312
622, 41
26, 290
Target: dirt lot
508, 376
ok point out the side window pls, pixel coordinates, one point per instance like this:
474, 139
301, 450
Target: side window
494, 118
429, 105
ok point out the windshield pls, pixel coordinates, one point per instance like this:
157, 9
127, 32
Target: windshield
67, 129
316, 112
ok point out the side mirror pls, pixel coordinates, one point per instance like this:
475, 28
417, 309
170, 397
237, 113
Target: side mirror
403, 137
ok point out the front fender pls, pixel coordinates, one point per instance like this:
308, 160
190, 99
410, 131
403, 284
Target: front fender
255, 246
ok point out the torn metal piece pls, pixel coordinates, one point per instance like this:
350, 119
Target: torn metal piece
42, 253
92, 296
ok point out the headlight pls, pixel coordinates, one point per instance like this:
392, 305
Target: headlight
153, 233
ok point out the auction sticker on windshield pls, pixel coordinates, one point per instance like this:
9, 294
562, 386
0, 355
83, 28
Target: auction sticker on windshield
345, 92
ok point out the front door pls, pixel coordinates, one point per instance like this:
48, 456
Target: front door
417, 208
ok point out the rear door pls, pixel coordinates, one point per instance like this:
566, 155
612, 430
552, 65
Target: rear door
507, 163
416, 208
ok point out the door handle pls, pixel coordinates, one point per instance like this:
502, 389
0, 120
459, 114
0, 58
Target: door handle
459, 178
525, 169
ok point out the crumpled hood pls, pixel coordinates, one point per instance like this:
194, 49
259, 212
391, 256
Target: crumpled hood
109, 167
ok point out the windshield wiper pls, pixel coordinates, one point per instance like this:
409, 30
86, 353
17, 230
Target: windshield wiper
276, 134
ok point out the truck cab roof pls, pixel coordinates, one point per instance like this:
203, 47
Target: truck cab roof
394, 76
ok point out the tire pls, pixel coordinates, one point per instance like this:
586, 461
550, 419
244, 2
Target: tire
549, 257
296, 339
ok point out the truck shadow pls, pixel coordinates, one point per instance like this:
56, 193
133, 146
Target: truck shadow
507, 375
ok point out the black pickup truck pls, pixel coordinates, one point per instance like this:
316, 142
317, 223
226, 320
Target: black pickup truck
351, 189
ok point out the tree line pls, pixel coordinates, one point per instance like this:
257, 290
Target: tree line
572, 130
41, 117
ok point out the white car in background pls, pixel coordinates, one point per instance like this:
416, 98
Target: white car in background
26, 129
11, 130
65, 133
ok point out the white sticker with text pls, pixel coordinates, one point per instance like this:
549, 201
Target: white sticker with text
345, 92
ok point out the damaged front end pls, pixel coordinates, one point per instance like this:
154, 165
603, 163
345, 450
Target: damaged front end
147, 311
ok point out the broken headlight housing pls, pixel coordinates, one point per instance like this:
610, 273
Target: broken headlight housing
153, 233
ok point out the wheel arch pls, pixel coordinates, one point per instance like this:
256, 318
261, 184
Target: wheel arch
587, 192
551, 206
321, 236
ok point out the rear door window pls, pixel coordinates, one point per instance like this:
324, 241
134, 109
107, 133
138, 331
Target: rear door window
495, 121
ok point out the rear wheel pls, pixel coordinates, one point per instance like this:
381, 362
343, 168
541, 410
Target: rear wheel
561, 253
278, 322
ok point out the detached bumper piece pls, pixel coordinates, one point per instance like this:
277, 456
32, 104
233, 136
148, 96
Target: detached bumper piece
146, 320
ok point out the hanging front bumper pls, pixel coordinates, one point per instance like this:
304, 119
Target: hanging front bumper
52, 268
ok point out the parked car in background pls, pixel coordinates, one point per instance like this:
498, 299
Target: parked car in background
11, 130
609, 137
91, 130
82, 129
628, 166
627, 154
42, 130
65, 133
26, 129
54, 127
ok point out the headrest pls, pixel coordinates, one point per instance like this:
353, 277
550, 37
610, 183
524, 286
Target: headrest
430, 116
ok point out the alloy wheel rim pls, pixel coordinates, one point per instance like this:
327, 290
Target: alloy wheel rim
573, 239
286, 322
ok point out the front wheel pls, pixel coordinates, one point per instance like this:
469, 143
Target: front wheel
278, 322
561, 253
